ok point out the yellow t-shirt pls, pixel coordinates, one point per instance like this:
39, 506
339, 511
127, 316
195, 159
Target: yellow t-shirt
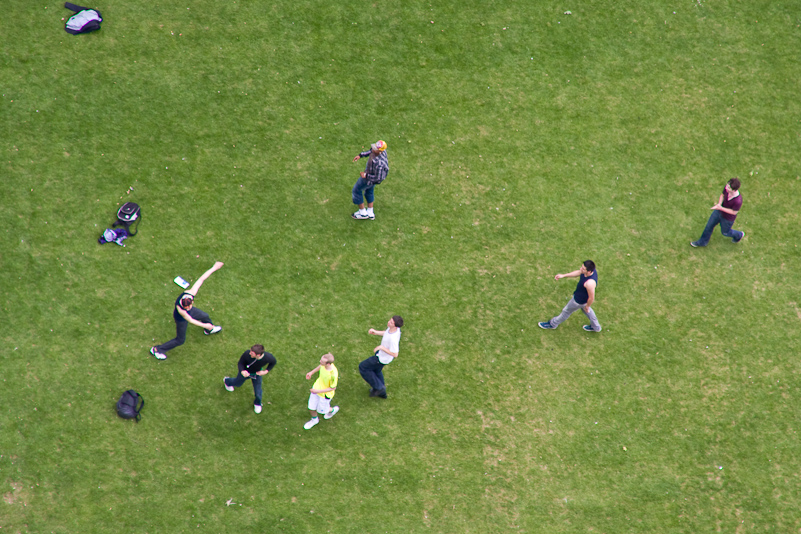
327, 379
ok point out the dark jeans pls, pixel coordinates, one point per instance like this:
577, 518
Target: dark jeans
238, 380
362, 191
370, 369
180, 329
725, 229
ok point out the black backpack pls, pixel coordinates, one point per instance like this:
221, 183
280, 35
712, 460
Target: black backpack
85, 20
126, 406
128, 213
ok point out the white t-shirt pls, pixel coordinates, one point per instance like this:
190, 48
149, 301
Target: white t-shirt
392, 342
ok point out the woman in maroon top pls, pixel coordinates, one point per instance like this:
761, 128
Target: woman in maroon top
724, 213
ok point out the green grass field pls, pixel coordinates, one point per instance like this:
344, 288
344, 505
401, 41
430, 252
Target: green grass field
522, 141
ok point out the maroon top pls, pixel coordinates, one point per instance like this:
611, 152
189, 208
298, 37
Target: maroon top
733, 204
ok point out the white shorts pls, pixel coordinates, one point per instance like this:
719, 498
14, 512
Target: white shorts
321, 404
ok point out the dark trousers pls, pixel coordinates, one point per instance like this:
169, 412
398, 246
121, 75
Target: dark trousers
370, 369
180, 330
725, 228
238, 380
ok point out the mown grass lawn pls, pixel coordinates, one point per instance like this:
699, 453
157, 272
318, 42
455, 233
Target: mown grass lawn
522, 141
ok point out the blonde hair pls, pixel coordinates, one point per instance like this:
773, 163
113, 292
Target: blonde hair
329, 358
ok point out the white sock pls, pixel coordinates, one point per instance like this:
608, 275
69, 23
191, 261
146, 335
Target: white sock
369, 211
362, 211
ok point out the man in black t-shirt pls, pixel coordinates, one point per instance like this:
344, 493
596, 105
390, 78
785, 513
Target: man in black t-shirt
251, 365
184, 313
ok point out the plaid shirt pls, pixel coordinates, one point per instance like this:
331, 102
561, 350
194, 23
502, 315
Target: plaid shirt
376, 169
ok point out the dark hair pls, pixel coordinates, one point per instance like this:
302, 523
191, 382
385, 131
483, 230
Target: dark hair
734, 183
398, 320
258, 349
589, 265
187, 300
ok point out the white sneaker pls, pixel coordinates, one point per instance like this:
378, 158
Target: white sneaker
213, 330
227, 387
257, 408
157, 354
311, 422
332, 413
361, 216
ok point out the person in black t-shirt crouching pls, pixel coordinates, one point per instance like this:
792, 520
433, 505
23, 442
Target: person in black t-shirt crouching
251, 365
185, 313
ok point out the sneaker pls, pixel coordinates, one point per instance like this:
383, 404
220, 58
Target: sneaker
381, 394
213, 330
546, 325
332, 413
225, 383
361, 216
257, 408
371, 215
588, 328
740, 238
157, 354
695, 244
373, 391
311, 422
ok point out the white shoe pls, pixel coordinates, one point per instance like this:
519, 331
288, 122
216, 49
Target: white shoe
213, 330
157, 354
311, 422
361, 216
371, 214
227, 387
332, 413
257, 408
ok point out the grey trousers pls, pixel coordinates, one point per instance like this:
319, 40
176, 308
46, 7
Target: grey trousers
573, 306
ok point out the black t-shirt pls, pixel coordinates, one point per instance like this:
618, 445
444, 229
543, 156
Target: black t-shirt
175, 315
252, 365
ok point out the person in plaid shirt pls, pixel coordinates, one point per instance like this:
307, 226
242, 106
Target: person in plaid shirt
374, 173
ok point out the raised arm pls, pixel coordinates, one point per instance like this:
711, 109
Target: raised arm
573, 274
216, 267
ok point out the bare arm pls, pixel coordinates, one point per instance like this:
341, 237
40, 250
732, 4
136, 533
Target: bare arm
376, 332
572, 274
724, 210
192, 320
382, 347
311, 373
216, 267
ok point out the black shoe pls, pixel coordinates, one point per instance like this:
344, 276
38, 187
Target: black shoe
373, 392
381, 394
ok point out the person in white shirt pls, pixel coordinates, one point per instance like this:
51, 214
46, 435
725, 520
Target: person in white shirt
385, 353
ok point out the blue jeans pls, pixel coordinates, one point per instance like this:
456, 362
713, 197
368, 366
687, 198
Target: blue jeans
725, 229
362, 190
238, 380
370, 369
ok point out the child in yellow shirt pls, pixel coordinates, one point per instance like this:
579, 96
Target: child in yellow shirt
323, 390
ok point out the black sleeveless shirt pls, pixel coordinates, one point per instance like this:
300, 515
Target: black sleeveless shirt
580, 295
175, 315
